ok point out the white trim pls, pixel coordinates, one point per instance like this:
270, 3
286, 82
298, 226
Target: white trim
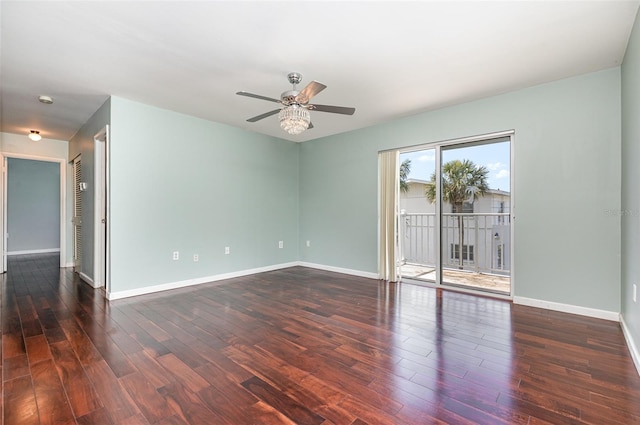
209, 279
437, 151
351, 272
196, 281
34, 251
5, 173
633, 348
568, 308
87, 279
68, 265
512, 211
457, 141
100, 203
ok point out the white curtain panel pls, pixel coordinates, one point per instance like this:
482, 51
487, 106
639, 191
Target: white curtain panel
389, 184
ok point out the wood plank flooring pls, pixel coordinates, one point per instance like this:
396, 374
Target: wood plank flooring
300, 346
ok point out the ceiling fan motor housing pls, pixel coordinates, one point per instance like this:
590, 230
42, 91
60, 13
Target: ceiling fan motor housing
291, 96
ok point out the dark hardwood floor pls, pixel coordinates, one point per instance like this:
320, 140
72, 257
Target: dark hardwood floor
300, 346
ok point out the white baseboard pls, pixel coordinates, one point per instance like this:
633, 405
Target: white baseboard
633, 348
351, 272
207, 279
568, 308
88, 280
196, 281
34, 251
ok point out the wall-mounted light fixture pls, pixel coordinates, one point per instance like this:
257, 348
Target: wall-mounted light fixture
35, 135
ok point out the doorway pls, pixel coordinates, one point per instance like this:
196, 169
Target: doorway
57, 226
455, 213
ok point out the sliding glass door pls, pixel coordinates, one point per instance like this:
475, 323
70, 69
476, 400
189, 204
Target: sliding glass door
455, 214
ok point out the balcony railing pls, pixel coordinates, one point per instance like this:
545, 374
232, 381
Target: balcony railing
485, 237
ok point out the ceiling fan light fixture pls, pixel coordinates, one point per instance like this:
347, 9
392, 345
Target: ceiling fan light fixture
35, 135
294, 119
47, 100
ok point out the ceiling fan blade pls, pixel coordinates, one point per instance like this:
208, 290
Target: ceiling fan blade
312, 89
257, 96
265, 115
333, 109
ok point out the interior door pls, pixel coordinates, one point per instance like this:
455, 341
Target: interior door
77, 214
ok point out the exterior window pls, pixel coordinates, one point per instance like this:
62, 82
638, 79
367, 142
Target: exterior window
467, 252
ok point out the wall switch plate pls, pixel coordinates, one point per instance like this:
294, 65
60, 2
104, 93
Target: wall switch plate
227, 250
176, 255
280, 244
308, 244
196, 257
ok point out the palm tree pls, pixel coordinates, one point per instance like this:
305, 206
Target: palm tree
462, 181
405, 169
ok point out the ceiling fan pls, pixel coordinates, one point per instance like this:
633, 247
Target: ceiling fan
294, 116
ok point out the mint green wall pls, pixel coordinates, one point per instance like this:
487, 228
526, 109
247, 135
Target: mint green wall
82, 143
630, 179
567, 182
180, 183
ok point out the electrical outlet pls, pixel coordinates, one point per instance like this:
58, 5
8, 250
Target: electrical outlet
635, 293
308, 244
227, 250
195, 257
176, 255
280, 244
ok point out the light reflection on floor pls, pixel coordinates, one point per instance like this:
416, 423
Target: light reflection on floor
444, 348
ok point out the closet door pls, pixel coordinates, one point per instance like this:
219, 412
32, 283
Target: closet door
77, 214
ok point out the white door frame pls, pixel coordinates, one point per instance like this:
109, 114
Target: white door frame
101, 239
63, 202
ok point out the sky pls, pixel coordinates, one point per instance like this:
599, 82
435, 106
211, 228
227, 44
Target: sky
496, 157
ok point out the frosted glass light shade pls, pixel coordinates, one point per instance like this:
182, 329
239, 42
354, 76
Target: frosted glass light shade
294, 119
35, 135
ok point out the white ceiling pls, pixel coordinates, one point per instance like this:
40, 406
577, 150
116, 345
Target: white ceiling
387, 59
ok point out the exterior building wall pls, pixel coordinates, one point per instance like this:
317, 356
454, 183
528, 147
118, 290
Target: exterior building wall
486, 241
